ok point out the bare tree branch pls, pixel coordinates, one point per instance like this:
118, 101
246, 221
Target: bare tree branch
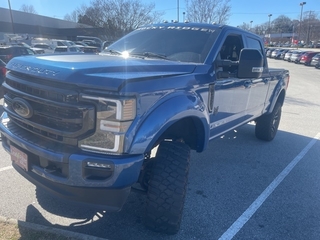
116, 17
28, 9
208, 11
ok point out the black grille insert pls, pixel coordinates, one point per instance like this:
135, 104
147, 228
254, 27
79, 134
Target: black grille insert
57, 113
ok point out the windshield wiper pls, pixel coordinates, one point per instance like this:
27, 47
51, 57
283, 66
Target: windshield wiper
115, 52
150, 55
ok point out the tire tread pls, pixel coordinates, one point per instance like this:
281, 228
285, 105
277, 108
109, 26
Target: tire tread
167, 188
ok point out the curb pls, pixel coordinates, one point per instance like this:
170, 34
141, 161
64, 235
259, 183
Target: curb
52, 230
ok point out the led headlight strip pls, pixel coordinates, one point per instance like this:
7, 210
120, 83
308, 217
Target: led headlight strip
113, 118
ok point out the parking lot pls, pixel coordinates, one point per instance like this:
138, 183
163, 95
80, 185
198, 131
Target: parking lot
239, 188
305, 56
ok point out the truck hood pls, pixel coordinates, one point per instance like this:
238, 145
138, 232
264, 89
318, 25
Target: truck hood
101, 71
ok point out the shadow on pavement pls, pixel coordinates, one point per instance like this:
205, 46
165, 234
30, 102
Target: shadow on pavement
223, 181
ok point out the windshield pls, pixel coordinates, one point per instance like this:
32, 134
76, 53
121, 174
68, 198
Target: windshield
185, 44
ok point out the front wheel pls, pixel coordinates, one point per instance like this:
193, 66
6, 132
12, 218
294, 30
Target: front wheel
267, 125
167, 187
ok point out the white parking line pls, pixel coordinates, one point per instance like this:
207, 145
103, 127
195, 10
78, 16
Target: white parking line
5, 168
239, 223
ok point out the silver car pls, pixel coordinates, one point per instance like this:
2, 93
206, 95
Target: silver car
315, 60
295, 54
288, 55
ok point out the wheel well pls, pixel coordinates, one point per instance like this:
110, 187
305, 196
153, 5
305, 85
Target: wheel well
190, 130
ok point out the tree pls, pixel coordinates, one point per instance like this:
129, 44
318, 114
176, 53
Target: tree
208, 11
28, 9
310, 27
74, 15
261, 29
282, 24
116, 17
244, 26
308, 30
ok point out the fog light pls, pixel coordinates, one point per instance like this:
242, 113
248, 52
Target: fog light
99, 165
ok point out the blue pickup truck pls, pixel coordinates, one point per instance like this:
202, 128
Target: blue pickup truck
91, 128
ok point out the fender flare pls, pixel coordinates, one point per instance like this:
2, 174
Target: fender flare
164, 115
278, 93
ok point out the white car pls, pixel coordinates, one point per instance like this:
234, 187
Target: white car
47, 48
36, 50
294, 55
67, 49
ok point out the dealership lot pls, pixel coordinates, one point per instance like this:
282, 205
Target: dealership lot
239, 188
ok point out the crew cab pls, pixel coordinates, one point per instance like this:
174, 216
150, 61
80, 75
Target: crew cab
91, 128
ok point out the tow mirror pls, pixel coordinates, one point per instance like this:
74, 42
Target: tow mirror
250, 63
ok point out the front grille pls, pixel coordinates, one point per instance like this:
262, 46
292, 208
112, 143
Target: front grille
57, 113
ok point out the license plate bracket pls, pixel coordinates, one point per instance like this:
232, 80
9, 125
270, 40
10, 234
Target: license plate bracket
19, 157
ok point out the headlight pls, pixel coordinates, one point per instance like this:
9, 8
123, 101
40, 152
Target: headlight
114, 118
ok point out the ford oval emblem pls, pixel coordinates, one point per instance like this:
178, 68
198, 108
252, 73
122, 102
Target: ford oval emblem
22, 107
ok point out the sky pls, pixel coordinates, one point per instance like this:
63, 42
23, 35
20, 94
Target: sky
242, 11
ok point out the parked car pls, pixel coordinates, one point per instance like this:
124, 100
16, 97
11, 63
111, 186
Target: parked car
299, 56
105, 44
91, 41
60, 42
46, 47
3, 71
35, 49
266, 49
276, 54
283, 53
67, 49
307, 57
288, 55
9, 52
315, 60
269, 52
295, 54
86, 48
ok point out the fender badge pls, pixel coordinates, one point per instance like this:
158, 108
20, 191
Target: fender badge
257, 69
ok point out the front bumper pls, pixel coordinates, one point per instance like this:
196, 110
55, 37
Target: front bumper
67, 175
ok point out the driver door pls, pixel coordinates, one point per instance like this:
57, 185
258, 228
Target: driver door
231, 94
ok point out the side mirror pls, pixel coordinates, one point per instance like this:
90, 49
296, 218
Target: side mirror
250, 63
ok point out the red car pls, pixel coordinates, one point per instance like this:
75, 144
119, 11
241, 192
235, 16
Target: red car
307, 57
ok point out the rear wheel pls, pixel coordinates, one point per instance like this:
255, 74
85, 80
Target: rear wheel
167, 187
267, 125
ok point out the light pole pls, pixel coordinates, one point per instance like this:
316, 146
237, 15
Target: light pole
251, 25
178, 10
301, 4
270, 15
11, 17
292, 41
184, 16
308, 35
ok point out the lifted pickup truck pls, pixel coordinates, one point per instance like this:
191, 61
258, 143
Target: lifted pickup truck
84, 126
